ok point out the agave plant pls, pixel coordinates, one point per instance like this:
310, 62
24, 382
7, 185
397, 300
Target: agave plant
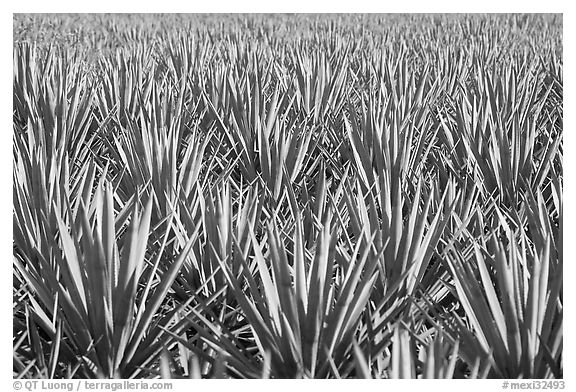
289, 196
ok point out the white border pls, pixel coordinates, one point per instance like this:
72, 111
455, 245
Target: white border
292, 6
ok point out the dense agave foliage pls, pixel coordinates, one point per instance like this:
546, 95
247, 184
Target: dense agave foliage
362, 196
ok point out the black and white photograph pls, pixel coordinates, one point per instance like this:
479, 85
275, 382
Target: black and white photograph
287, 196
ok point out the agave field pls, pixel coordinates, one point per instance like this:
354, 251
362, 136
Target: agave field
287, 196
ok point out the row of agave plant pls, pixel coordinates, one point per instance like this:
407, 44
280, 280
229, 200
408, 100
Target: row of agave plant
249, 199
